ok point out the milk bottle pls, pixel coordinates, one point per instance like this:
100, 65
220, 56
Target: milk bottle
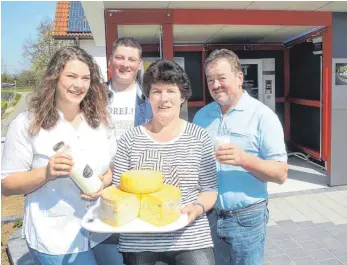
82, 174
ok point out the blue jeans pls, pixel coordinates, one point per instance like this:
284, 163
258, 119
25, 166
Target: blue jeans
188, 257
101, 254
244, 232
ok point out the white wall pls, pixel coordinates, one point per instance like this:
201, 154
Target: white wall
99, 54
339, 103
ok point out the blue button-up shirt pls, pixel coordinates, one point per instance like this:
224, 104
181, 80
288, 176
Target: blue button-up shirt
256, 129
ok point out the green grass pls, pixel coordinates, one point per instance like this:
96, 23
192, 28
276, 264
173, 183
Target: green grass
16, 99
18, 223
21, 89
11, 105
3, 102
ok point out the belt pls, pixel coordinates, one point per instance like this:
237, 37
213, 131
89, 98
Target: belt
232, 212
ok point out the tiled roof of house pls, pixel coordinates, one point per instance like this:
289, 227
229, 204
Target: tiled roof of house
61, 22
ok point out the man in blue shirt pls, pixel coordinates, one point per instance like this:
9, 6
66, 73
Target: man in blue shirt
253, 153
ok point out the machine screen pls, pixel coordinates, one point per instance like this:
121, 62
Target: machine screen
250, 79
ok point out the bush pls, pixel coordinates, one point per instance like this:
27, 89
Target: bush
10, 105
16, 99
3, 103
18, 223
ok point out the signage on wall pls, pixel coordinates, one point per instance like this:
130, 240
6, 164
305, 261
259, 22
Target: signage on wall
268, 86
340, 74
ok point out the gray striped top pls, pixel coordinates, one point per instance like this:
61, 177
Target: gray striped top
187, 162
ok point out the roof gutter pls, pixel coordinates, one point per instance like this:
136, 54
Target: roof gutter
304, 36
71, 37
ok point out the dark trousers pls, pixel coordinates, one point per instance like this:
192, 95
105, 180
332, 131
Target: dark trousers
203, 256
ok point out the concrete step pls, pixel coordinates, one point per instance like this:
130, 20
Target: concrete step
17, 250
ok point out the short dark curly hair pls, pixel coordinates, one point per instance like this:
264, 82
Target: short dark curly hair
166, 72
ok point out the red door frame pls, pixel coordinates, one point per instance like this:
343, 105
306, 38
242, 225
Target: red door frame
169, 17
327, 94
324, 103
286, 95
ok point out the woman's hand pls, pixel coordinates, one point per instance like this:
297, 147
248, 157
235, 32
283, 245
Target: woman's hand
106, 180
59, 165
193, 211
94, 196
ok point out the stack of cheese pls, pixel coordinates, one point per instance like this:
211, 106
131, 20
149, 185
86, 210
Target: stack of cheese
141, 194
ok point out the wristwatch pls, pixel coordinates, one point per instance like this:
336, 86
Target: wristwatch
201, 205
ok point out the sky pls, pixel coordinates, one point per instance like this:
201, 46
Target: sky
19, 21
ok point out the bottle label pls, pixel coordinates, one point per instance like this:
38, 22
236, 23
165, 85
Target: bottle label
87, 171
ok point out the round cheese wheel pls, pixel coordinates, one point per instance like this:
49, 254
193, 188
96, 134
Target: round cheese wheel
141, 181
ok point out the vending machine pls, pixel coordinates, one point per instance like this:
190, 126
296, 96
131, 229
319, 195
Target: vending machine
259, 79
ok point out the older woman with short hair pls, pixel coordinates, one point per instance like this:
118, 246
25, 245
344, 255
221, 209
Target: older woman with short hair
185, 155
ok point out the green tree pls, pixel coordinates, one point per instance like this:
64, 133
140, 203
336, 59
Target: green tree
40, 51
26, 78
6, 78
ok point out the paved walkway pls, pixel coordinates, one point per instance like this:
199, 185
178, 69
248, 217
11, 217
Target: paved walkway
20, 107
308, 229
308, 220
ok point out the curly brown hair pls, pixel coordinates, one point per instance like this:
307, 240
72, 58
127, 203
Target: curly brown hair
43, 105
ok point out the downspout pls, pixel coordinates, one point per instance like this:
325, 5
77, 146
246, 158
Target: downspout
160, 41
77, 41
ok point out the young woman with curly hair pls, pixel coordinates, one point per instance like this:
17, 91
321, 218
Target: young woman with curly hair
69, 106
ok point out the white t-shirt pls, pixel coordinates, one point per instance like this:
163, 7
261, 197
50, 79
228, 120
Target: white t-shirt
122, 110
53, 212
